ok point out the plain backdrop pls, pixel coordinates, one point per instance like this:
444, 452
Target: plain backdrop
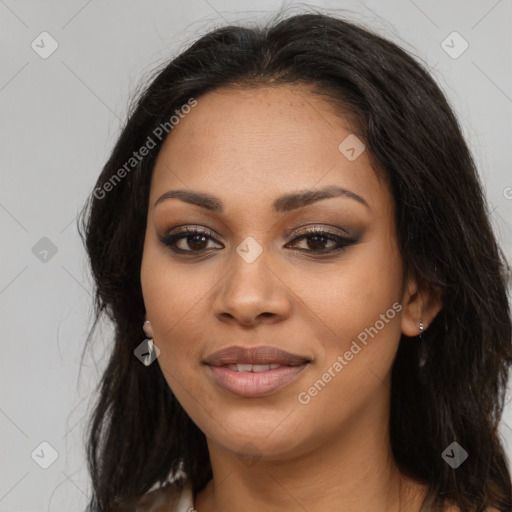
60, 115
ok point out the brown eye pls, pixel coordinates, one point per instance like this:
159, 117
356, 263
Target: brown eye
319, 238
195, 239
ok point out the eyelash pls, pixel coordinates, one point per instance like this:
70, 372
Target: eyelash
171, 239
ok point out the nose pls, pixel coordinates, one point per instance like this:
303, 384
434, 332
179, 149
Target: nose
251, 293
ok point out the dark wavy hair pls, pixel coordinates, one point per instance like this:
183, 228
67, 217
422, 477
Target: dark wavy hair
139, 434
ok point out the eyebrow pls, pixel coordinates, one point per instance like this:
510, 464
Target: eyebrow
284, 203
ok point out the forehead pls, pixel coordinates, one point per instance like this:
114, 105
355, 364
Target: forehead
261, 142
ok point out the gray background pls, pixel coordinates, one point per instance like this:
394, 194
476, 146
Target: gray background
60, 117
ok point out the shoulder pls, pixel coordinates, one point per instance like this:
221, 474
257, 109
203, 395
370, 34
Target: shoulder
171, 497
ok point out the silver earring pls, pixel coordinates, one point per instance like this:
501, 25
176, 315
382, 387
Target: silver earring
422, 354
148, 357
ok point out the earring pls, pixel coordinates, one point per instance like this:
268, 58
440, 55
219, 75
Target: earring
422, 353
148, 356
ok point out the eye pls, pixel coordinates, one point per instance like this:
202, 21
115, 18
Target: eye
197, 240
320, 237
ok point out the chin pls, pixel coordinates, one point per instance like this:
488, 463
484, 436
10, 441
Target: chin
254, 437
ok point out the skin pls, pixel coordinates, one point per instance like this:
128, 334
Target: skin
334, 449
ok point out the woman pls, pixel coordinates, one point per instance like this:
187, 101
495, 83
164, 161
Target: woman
293, 220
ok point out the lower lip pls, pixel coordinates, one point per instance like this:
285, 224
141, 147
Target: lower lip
255, 384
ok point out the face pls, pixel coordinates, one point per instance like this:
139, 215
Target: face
272, 267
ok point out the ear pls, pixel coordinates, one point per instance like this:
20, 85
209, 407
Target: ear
420, 304
148, 330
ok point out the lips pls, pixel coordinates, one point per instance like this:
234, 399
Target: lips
254, 372
254, 367
254, 358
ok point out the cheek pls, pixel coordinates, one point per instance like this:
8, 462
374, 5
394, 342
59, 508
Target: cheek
350, 297
174, 298
358, 318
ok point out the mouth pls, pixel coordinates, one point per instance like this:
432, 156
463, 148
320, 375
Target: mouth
254, 356
254, 372
257, 368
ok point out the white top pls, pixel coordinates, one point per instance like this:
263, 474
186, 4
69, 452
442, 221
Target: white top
167, 498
